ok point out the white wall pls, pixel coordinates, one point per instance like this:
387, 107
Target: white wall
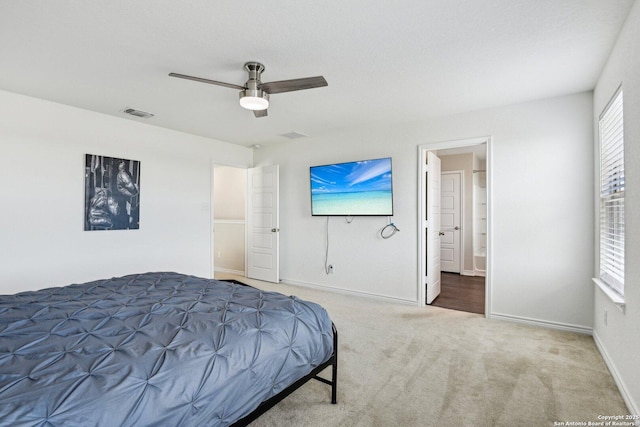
230, 192
619, 338
42, 243
542, 170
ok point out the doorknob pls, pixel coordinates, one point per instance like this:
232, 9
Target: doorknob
273, 230
456, 228
440, 233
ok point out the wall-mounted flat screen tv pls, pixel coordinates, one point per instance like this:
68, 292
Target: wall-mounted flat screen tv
352, 188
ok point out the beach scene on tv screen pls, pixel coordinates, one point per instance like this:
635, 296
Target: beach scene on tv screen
355, 188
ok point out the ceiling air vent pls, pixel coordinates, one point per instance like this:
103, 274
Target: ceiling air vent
138, 113
294, 135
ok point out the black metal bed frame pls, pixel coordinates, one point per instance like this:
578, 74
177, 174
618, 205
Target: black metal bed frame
271, 402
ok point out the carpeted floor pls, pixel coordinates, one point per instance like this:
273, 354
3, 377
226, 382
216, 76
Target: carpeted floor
401, 365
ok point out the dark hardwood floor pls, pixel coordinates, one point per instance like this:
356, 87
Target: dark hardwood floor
462, 293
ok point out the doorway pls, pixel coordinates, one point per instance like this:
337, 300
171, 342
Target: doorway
459, 280
245, 222
229, 220
461, 293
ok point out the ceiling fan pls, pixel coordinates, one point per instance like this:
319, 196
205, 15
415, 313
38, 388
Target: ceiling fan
254, 95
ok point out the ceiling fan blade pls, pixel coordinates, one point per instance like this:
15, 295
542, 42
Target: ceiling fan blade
294, 84
260, 113
201, 80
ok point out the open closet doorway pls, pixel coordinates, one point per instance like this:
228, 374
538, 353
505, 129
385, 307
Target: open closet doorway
229, 220
460, 228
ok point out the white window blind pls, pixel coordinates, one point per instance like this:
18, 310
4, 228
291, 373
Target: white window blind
612, 195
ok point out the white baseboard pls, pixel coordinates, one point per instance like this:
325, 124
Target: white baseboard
348, 292
472, 273
542, 323
631, 406
229, 271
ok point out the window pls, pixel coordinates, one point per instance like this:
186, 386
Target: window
612, 195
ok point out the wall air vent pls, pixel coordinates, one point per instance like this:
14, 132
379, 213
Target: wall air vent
138, 113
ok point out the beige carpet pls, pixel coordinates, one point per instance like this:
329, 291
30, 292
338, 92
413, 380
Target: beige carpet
408, 366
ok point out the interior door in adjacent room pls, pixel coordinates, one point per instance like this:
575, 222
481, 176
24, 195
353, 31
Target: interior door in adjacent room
432, 227
450, 209
263, 224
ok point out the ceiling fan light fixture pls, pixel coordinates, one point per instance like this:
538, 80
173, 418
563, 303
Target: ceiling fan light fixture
254, 95
254, 100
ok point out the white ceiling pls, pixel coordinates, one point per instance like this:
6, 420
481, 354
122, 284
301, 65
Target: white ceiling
385, 62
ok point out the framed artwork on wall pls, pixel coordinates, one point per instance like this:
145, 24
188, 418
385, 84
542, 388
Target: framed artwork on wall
111, 193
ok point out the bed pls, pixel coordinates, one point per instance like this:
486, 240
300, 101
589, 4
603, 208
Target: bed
161, 349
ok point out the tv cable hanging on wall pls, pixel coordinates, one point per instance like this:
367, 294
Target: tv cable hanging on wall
328, 268
388, 230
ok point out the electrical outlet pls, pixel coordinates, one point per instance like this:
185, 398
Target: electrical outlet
605, 318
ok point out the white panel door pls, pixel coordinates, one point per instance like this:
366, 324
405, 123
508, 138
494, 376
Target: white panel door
432, 227
450, 234
263, 224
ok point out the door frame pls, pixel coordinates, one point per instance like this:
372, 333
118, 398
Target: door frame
441, 145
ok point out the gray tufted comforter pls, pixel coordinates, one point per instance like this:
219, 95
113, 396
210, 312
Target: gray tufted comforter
160, 349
